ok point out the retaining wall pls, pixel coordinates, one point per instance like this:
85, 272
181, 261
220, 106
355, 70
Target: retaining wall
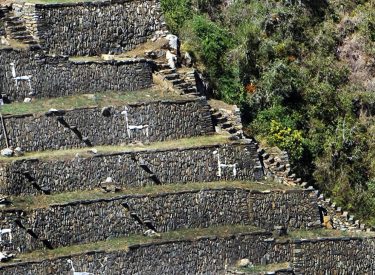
210, 255
335, 256
268, 209
167, 120
58, 76
92, 28
97, 220
130, 169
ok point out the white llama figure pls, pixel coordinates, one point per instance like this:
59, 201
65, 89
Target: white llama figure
6, 231
17, 79
76, 272
130, 128
224, 165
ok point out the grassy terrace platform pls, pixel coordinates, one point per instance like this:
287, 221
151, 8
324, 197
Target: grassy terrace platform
40, 106
164, 145
31, 202
118, 244
263, 268
56, 1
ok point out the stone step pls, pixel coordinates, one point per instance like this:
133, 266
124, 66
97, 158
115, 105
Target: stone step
18, 22
162, 66
265, 156
171, 76
30, 42
16, 28
22, 37
193, 94
190, 89
231, 130
183, 86
217, 114
20, 33
167, 71
227, 125
221, 119
177, 82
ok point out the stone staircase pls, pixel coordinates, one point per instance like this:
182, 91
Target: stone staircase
147, 180
177, 82
228, 121
15, 29
277, 166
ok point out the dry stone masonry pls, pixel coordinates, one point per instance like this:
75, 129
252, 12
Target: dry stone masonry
96, 220
129, 169
204, 255
92, 28
54, 50
166, 120
212, 255
58, 76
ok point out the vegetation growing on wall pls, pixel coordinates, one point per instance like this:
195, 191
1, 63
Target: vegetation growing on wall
287, 65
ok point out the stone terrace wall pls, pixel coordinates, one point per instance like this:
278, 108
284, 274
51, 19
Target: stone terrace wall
130, 169
93, 28
207, 255
96, 220
57, 76
167, 120
268, 209
335, 256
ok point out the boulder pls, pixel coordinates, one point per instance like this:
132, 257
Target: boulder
173, 42
151, 233
7, 152
244, 263
18, 152
172, 59
6, 256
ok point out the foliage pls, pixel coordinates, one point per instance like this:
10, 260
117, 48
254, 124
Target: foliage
287, 139
278, 60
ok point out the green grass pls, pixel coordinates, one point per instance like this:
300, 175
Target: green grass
122, 244
325, 233
40, 106
263, 268
32, 202
161, 145
56, 1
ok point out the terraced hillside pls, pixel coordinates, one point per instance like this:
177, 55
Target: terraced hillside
114, 161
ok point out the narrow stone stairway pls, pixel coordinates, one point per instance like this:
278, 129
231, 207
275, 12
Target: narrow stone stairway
175, 79
227, 121
277, 166
15, 29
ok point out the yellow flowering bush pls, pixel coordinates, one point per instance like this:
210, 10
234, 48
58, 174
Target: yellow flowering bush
287, 139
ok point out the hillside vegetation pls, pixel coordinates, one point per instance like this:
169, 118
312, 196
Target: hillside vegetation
304, 75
